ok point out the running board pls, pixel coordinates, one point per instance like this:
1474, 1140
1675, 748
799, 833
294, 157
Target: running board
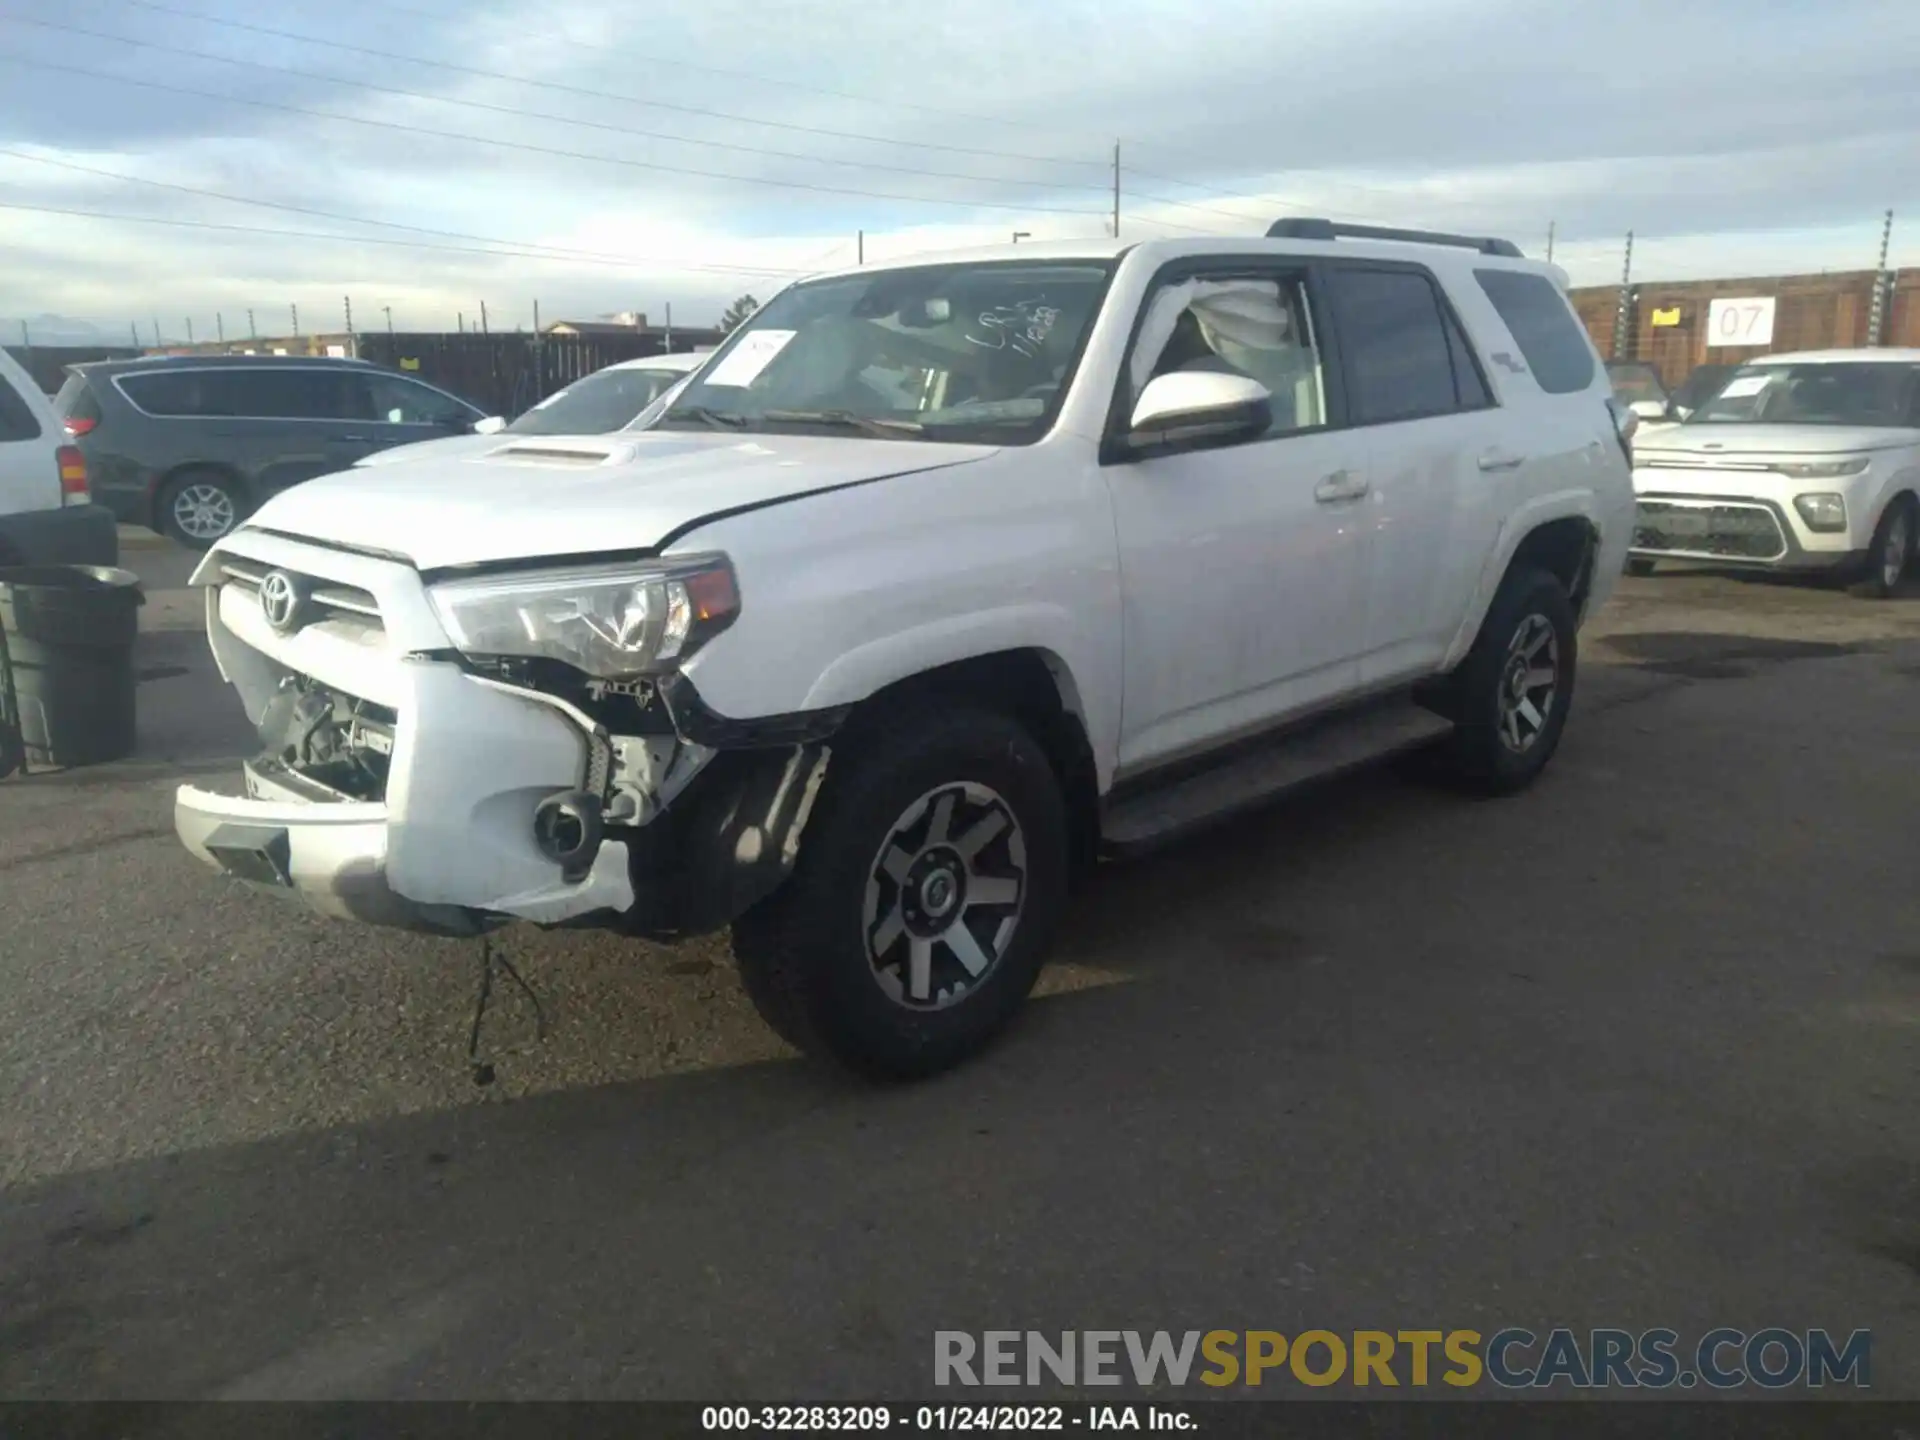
1249, 779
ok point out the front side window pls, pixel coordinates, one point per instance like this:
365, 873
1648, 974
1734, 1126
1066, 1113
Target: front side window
602, 402
1253, 326
395, 401
1393, 337
969, 352
1868, 393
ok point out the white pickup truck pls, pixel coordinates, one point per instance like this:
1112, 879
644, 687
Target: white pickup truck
940, 581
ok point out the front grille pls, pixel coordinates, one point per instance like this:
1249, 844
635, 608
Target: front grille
345, 608
1729, 531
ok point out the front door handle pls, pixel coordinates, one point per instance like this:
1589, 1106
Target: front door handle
1340, 485
352, 439
1501, 460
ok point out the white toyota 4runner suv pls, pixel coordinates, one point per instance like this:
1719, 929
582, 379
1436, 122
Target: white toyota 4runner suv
942, 579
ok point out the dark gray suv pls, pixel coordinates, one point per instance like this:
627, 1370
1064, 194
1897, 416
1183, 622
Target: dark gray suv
190, 444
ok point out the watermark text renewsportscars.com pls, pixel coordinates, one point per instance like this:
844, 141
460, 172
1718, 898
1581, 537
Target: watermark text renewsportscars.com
1775, 1358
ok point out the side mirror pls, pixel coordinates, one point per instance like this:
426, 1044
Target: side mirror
1652, 409
492, 425
1199, 407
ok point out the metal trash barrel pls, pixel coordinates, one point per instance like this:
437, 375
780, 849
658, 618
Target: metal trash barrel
69, 642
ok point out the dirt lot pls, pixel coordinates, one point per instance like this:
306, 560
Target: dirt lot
1638, 1048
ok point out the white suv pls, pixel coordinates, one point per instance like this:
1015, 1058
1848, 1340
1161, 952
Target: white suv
47, 514
940, 580
1806, 462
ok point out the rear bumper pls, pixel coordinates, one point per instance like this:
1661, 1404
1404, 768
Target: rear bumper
69, 535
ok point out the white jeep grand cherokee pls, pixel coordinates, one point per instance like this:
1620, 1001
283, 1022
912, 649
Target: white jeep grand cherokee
941, 580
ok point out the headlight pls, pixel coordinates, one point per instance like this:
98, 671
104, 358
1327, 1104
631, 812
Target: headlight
614, 622
1822, 512
1825, 469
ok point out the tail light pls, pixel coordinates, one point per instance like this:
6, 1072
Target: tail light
78, 425
73, 477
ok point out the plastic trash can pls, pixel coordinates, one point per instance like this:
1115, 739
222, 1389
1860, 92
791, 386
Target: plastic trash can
69, 632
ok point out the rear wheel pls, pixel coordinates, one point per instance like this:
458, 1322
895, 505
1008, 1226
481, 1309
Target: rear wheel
1509, 698
929, 884
1890, 551
200, 507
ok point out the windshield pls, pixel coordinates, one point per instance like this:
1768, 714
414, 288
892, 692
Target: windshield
1868, 393
1701, 384
1636, 382
943, 352
604, 401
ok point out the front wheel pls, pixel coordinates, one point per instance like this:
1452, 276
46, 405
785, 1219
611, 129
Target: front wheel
1889, 551
1510, 696
929, 884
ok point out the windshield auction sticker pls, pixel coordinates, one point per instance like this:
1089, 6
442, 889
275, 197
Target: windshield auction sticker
749, 357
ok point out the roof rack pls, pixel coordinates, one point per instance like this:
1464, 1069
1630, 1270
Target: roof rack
1314, 229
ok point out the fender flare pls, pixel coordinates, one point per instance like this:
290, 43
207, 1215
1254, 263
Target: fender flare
1541, 510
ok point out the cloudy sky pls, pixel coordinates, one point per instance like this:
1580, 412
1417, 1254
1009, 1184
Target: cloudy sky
424, 156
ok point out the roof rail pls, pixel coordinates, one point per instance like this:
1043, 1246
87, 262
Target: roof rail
1299, 228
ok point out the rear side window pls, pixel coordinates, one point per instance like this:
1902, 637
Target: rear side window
240, 394
1556, 349
1399, 356
17, 420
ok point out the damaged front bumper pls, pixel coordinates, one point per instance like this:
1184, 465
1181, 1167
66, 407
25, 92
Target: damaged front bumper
401, 788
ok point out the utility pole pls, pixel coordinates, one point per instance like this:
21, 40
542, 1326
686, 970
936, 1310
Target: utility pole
1116, 189
156, 332
1550, 229
1020, 235
294, 310
220, 327
483, 318
460, 320
669, 338
189, 330
133, 329
387, 310
860, 248
253, 331
536, 319
347, 300
1621, 340
26, 340
1882, 284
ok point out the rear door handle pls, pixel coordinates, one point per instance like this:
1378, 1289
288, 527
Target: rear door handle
1341, 485
1501, 460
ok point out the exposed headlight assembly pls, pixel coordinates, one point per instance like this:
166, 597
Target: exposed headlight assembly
614, 622
1825, 469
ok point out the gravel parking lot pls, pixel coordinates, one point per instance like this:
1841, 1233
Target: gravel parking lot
1637, 1048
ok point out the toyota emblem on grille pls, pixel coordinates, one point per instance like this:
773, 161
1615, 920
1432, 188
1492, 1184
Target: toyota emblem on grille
283, 600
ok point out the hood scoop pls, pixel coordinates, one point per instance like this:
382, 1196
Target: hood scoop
570, 453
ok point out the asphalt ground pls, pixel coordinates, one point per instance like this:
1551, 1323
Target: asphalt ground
1638, 1048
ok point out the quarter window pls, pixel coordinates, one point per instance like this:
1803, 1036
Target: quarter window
17, 421
1543, 325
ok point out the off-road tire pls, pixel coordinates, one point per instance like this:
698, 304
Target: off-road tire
803, 952
1477, 754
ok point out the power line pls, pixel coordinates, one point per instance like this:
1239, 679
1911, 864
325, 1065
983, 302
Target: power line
611, 261
556, 252
596, 94
542, 149
754, 76
520, 114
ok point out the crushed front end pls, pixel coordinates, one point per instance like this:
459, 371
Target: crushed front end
416, 772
